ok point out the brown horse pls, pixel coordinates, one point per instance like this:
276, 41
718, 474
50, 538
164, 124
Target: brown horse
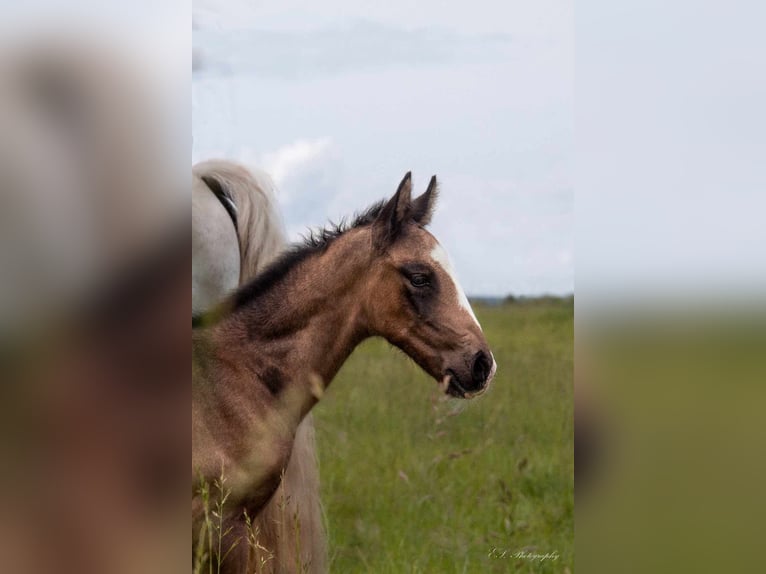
265, 358
236, 232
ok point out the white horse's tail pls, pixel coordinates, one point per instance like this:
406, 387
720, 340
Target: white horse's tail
290, 529
259, 226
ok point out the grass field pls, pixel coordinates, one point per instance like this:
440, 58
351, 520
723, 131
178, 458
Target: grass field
414, 482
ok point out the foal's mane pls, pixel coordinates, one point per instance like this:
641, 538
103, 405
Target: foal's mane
315, 241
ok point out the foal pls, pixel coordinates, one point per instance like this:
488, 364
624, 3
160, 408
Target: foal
236, 232
280, 340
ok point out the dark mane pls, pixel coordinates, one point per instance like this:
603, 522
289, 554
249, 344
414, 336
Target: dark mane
315, 241
318, 239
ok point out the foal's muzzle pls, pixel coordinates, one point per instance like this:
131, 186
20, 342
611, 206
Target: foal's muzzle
482, 370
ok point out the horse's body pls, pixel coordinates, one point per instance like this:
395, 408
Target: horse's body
236, 232
279, 341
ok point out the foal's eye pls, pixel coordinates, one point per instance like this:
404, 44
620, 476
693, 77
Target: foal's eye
419, 280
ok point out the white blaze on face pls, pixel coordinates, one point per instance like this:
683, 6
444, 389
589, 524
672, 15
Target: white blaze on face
442, 258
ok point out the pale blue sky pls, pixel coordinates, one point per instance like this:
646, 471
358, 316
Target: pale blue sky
339, 102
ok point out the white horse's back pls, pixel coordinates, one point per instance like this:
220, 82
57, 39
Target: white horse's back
259, 225
215, 249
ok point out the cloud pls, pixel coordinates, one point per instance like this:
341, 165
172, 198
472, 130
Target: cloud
350, 48
222, 14
308, 176
293, 157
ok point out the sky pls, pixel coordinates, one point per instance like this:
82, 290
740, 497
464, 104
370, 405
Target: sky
338, 100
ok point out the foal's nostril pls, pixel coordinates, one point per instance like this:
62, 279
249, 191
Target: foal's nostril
481, 368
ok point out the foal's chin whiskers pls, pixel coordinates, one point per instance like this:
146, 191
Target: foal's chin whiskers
458, 406
444, 383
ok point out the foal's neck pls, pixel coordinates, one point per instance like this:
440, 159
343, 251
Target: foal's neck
295, 335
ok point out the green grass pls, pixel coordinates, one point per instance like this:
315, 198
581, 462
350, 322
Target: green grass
414, 482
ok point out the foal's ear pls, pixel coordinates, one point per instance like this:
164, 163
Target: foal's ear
393, 215
423, 206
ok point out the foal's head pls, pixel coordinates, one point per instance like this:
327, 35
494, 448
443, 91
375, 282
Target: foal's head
413, 298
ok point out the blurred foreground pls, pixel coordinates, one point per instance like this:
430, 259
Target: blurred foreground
94, 299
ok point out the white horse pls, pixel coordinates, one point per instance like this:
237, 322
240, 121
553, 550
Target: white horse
236, 231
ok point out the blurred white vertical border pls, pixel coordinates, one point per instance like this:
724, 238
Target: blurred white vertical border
671, 284
127, 66
94, 269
